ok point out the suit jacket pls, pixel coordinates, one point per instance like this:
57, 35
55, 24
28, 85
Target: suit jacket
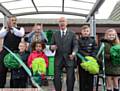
65, 47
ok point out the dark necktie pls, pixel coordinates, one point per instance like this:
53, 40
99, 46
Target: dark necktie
63, 34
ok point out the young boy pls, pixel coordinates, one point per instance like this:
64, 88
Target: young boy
87, 47
19, 75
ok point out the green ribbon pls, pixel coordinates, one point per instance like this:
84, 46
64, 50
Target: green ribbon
20, 61
101, 49
81, 57
25, 67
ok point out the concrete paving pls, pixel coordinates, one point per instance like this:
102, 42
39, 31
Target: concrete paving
50, 87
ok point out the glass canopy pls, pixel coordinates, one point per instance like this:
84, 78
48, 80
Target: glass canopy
84, 8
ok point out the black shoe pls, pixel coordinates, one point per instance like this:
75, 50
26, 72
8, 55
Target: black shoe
116, 89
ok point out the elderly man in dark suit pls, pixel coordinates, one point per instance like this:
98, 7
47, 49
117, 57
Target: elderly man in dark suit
65, 44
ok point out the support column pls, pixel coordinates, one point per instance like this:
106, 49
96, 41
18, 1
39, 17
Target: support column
93, 26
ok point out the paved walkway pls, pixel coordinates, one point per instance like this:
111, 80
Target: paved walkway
50, 87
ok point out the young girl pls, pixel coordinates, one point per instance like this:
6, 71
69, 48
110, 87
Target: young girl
112, 71
87, 47
19, 75
37, 52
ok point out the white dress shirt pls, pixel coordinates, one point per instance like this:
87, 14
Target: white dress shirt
61, 31
19, 33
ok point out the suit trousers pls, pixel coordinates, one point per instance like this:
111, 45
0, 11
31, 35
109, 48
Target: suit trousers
70, 77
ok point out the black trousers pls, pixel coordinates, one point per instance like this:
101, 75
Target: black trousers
19, 83
85, 80
70, 78
3, 70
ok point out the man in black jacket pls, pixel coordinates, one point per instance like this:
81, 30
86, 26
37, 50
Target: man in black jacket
12, 36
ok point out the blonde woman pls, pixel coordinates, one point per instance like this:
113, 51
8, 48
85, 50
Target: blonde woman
112, 71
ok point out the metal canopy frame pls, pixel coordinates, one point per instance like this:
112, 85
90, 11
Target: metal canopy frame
91, 13
89, 17
95, 8
5, 11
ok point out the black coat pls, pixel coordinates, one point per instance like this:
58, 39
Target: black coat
20, 72
87, 46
